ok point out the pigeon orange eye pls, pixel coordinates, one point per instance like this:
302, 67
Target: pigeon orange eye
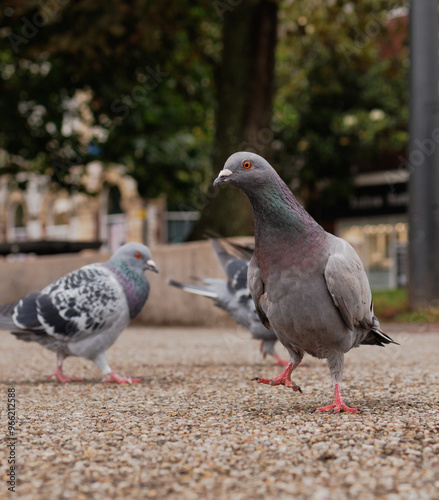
138, 255
247, 164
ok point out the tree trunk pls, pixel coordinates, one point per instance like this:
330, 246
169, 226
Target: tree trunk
244, 106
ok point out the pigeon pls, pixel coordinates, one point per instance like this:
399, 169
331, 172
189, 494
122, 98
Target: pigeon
308, 285
233, 296
85, 311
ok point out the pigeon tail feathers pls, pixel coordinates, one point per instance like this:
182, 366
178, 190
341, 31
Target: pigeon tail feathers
6, 312
195, 289
377, 337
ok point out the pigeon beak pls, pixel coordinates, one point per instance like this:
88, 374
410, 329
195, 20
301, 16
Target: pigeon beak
151, 266
222, 177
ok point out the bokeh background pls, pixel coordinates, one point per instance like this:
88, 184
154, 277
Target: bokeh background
117, 115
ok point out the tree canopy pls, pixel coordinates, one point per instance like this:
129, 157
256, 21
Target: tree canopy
142, 83
128, 82
341, 101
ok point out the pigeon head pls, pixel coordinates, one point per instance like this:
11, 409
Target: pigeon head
135, 256
244, 169
274, 205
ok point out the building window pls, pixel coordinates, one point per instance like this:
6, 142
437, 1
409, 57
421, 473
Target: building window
381, 244
19, 216
17, 223
59, 218
114, 201
179, 225
116, 220
61, 212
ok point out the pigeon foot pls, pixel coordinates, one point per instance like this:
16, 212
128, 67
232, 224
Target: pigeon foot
114, 377
338, 405
283, 379
62, 378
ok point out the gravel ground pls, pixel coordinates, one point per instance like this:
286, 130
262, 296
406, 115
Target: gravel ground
198, 427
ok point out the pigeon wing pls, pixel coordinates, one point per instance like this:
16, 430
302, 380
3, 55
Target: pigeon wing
82, 303
256, 287
237, 272
349, 288
8, 313
235, 268
221, 253
25, 313
246, 251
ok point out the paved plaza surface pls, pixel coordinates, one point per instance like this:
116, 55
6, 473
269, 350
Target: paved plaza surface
198, 427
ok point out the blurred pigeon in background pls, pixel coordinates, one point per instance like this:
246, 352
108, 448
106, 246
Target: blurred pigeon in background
309, 286
233, 295
85, 311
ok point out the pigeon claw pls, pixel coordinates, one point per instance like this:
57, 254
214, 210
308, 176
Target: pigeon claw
62, 378
334, 408
275, 381
114, 378
267, 381
283, 379
338, 405
295, 387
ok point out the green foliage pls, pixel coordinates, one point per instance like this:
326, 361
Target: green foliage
392, 305
341, 103
135, 83
131, 79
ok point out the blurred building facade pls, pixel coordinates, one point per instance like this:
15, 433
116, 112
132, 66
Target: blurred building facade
31, 210
375, 218
375, 222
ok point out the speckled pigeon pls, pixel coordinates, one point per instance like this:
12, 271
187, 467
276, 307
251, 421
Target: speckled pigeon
233, 296
309, 286
84, 312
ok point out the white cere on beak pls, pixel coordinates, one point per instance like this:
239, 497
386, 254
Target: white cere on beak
152, 265
225, 173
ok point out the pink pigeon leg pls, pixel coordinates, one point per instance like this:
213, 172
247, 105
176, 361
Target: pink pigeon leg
338, 405
59, 374
279, 361
114, 377
282, 362
262, 349
283, 379
62, 378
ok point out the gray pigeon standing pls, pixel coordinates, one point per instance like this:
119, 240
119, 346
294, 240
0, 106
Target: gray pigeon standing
233, 296
309, 286
84, 312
